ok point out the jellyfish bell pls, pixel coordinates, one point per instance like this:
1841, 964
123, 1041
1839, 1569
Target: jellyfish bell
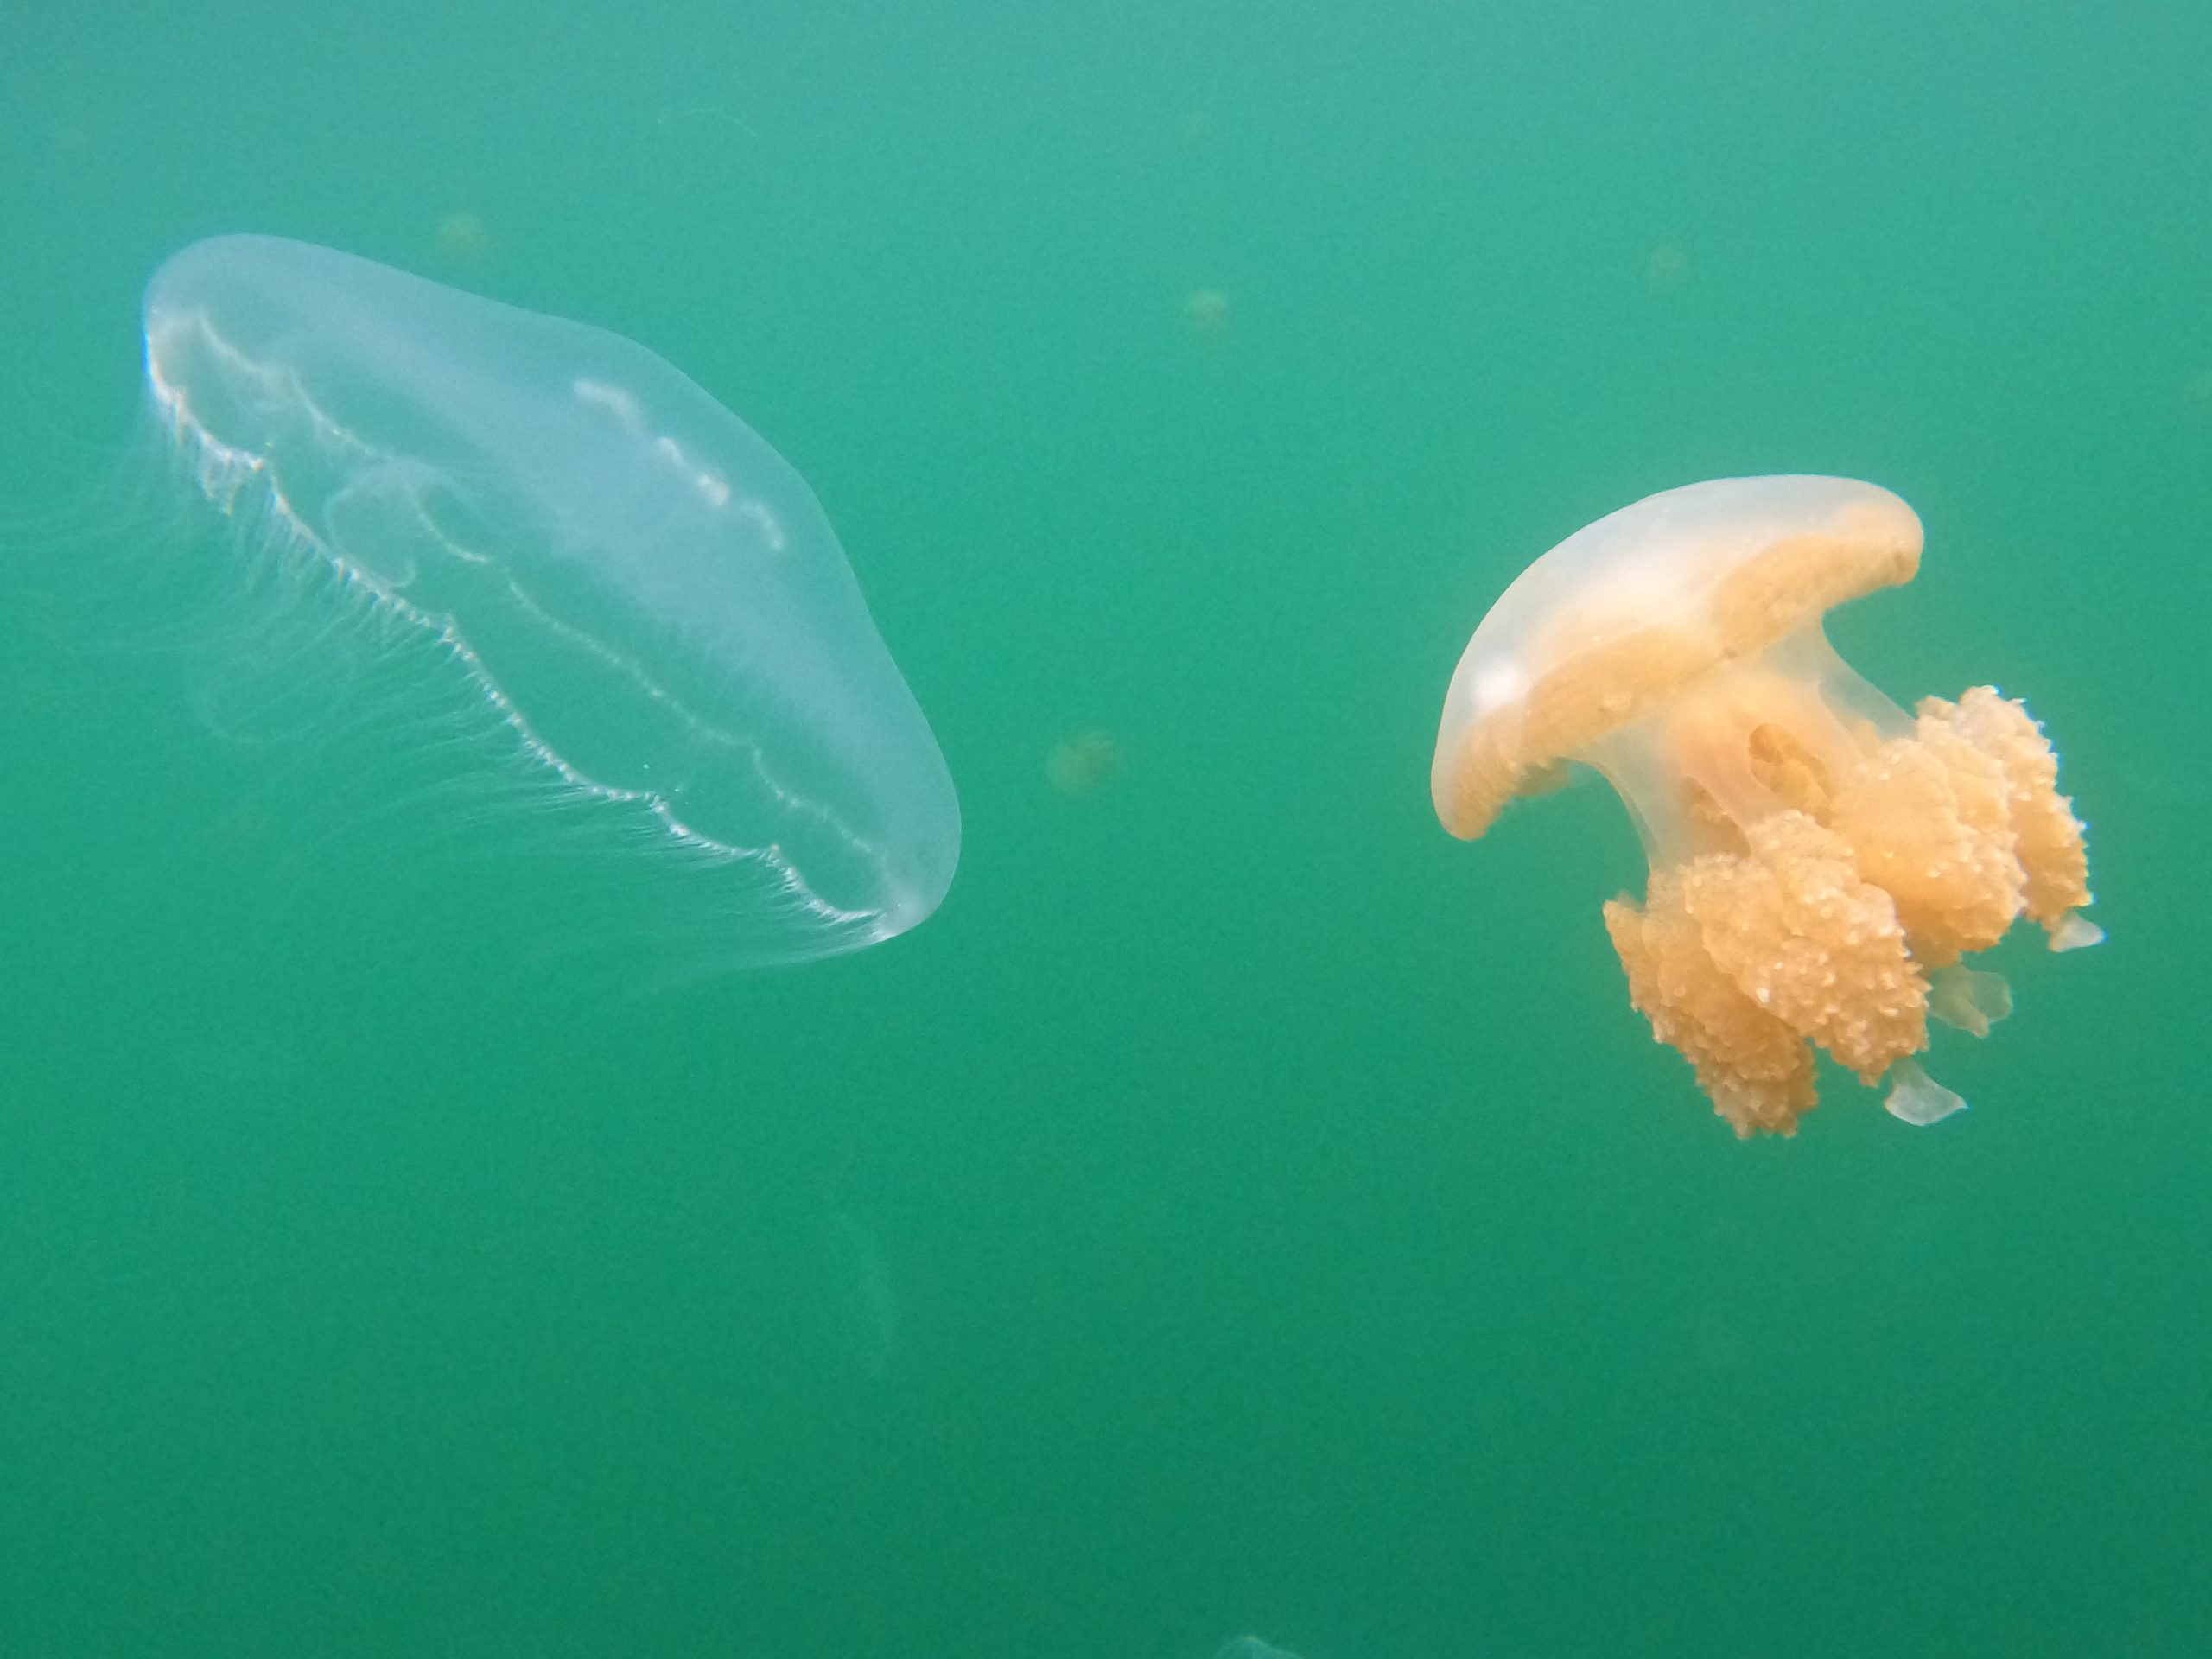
1816, 853
1682, 607
465, 553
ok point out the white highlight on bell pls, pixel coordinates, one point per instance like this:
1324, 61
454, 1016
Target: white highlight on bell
711, 487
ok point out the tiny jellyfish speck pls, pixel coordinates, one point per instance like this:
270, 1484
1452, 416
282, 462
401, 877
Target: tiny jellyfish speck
647, 602
1821, 862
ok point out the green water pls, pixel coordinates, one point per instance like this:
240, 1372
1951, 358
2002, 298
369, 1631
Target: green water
1241, 1208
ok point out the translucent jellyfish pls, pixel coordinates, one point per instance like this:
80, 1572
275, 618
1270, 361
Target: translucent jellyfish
645, 600
1821, 861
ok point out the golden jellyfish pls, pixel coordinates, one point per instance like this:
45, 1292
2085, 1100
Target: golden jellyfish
1666, 266
1822, 863
1206, 310
463, 238
1081, 765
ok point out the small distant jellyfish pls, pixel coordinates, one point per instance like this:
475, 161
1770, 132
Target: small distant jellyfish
1666, 266
1081, 765
464, 238
644, 602
1206, 310
1821, 862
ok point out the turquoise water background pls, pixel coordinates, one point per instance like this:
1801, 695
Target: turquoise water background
1241, 1208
